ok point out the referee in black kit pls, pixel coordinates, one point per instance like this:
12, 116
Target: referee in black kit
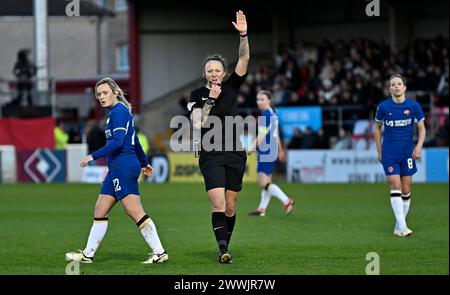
222, 168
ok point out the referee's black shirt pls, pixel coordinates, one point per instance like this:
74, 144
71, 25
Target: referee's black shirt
225, 105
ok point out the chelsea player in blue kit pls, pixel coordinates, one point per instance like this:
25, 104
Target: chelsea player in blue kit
126, 160
269, 149
397, 152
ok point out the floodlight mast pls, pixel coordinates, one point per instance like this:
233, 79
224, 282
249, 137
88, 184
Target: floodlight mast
41, 50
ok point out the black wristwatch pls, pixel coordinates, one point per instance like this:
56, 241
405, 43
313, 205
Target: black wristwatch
210, 101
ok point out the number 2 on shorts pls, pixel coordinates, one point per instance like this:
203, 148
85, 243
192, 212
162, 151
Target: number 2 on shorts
116, 184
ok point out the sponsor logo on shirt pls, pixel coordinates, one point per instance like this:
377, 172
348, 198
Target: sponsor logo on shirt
398, 123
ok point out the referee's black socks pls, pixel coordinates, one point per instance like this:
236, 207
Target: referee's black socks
230, 225
220, 228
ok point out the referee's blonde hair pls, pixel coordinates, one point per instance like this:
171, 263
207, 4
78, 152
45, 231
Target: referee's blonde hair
115, 88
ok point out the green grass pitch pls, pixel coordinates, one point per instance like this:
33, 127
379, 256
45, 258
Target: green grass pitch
330, 231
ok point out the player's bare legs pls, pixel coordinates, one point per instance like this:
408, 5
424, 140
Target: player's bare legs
395, 185
263, 181
217, 198
395, 182
104, 205
98, 230
269, 189
219, 222
230, 199
102, 208
133, 207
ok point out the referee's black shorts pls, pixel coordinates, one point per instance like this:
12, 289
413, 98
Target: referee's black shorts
223, 169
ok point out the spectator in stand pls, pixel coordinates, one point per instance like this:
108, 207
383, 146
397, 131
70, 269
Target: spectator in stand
24, 70
95, 136
309, 139
61, 136
321, 142
296, 141
326, 91
441, 137
442, 88
294, 100
75, 133
292, 73
143, 139
344, 141
309, 100
280, 93
349, 73
300, 53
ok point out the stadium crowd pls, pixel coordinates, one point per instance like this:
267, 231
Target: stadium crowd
349, 73
341, 74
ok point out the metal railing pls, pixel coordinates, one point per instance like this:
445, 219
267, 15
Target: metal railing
340, 113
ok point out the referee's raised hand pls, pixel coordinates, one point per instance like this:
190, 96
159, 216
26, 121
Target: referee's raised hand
241, 22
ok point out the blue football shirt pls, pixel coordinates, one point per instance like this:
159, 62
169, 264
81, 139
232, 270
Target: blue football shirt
398, 120
122, 145
268, 124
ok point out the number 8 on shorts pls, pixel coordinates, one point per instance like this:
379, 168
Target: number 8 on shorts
408, 167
